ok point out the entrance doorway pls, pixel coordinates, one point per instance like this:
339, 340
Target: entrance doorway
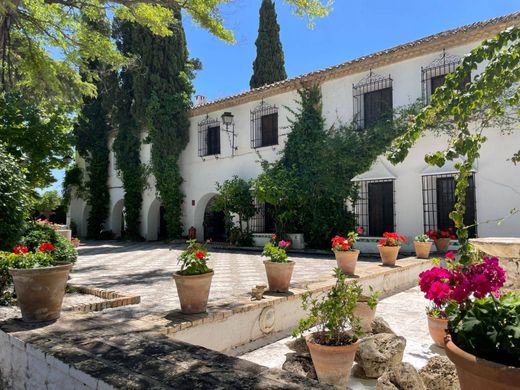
214, 224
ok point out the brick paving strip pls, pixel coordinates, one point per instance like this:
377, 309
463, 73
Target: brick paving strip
110, 299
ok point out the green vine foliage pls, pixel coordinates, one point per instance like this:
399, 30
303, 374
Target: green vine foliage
162, 92
92, 130
465, 114
127, 144
310, 184
72, 181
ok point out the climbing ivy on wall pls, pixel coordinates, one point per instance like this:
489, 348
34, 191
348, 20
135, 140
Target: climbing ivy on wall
162, 92
127, 144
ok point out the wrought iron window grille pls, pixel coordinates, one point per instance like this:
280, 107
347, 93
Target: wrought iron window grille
433, 75
263, 221
363, 90
209, 137
438, 193
264, 125
362, 204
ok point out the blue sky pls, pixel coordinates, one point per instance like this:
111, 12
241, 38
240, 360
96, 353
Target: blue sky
354, 28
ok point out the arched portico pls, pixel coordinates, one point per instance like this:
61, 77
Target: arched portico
117, 219
157, 229
209, 223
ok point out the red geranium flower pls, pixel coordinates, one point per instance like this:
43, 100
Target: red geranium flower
20, 249
200, 255
273, 236
46, 247
360, 230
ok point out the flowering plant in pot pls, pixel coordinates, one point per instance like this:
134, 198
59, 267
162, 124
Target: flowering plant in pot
366, 308
423, 245
278, 268
39, 277
442, 238
346, 255
193, 280
334, 343
389, 247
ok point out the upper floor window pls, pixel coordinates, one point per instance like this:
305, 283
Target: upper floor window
264, 126
209, 137
373, 100
434, 75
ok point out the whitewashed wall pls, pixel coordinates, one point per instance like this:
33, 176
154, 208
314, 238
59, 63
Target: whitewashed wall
497, 180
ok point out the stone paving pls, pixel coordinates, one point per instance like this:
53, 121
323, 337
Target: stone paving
146, 269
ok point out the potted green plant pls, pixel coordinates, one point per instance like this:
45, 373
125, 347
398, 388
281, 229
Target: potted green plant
346, 255
39, 279
422, 245
334, 343
389, 247
442, 238
366, 308
278, 269
193, 280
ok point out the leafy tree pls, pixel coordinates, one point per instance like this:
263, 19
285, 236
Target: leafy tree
37, 135
269, 65
465, 115
235, 198
14, 200
47, 203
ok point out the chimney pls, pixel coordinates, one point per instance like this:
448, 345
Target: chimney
200, 100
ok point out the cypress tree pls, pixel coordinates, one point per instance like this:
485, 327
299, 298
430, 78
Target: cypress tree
162, 97
92, 130
269, 65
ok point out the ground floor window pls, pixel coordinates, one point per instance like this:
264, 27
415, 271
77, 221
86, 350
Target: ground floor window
439, 201
374, 207
263, 221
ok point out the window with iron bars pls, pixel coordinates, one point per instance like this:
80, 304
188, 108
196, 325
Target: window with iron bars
373, 100
433, 75
439, 201
375, 207
263, 220
264, 126
209, 137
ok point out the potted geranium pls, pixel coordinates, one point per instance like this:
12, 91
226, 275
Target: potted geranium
39, 278
193, 280
442, 238
366, 308
334, 343
278, 269
346, 255
389, 247
423, 245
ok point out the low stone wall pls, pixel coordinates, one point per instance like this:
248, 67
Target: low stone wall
512, 267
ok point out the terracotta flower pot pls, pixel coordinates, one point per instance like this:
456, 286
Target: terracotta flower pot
40, 291
389, 254
422, 249
442, 244
332, 363
193, 291
279, 275
437, 328
347, 260
366, 315
479, 374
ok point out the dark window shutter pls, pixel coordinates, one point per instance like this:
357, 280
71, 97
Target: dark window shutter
213, 140
377, 105
270, 129
446, 203
380, 208
436, 82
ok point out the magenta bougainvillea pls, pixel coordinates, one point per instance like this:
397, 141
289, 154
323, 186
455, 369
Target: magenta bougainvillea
441, 285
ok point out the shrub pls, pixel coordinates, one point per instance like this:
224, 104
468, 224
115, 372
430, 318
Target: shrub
38, 233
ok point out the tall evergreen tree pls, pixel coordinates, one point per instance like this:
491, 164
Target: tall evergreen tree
269, 65
92, 131
162, 92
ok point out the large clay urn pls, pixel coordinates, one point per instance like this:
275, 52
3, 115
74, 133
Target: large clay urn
40, 291
332, 363
279, 275
422, 249
479, 374
365, 314
442, 244
193, 291
437, 328
388, 254
347, 260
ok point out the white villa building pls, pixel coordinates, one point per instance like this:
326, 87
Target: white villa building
410, 197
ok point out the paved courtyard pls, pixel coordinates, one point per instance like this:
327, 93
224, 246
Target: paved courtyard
146, 269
